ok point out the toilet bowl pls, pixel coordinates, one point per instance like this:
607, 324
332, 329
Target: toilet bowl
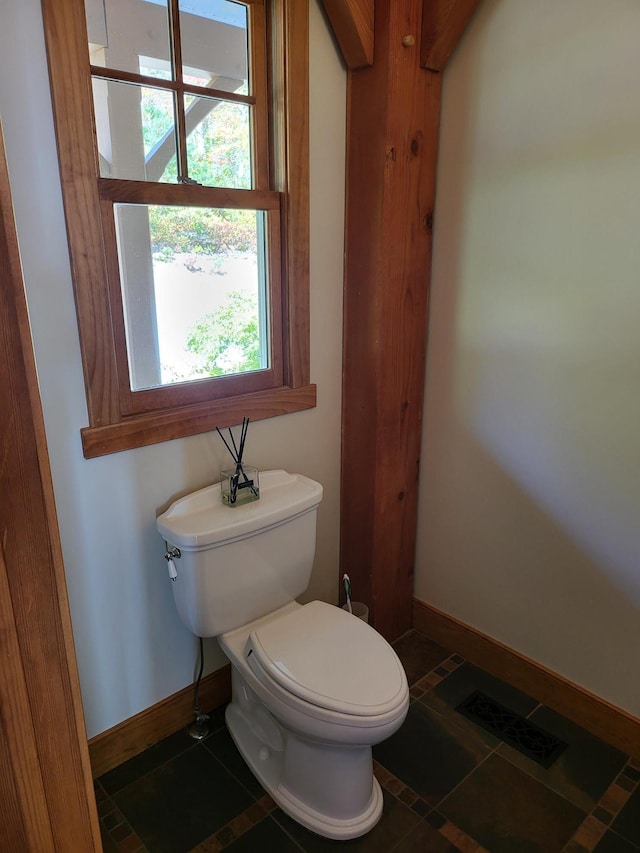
314, 688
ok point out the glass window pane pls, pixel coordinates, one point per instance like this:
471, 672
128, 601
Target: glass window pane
130, 35
214, 44
135, 131
194, 292
219, 142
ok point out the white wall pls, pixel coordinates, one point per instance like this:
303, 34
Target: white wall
529, 519
132, 649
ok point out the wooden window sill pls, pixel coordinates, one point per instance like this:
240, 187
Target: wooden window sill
153, 428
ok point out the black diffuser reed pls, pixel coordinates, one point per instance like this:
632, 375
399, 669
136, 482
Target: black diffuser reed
238, 479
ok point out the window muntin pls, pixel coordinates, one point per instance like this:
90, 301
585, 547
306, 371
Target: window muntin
168, 133
208, 54
134, 36
121, 419
135, 133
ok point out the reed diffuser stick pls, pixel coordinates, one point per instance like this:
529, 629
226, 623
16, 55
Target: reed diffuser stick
236, 455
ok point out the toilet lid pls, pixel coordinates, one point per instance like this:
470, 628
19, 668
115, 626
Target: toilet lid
331, 659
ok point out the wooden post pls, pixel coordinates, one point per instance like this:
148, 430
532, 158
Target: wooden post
46, 793
392, 149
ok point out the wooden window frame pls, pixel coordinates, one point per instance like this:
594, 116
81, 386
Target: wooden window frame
114, 423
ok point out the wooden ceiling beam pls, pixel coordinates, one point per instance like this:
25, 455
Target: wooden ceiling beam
352, 22
443, 23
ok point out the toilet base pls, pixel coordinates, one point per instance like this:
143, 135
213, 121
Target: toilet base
330, 790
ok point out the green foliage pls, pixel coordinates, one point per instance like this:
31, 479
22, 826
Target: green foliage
157, 117
227, 340
218, 149
218, 155
201, 230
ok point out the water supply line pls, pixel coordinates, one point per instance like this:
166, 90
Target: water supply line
199, 729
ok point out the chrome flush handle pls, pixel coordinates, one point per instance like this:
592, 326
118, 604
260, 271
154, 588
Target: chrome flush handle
171, 555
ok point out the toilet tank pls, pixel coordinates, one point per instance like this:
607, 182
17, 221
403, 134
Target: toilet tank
239, 563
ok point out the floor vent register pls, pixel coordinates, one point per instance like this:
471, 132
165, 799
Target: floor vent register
514, 730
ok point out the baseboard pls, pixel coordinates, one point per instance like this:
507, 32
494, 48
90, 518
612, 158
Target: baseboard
608, 722
111, 748
127, 739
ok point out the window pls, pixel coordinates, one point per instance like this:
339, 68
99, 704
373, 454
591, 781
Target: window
182, 132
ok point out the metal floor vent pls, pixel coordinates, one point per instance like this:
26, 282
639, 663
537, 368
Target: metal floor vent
511, 728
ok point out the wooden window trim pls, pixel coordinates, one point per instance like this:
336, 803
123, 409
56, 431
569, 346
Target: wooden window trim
110, 429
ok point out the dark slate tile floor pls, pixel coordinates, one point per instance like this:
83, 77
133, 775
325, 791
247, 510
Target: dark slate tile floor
448, 784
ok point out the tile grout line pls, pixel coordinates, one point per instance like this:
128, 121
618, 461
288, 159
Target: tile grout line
592, 829
461, 782
125, 840
394, 786
454, 835
450, 830
121, 833
231, 773
432, 678
237, 827
584, 840
189, 746
605, 811
406, 795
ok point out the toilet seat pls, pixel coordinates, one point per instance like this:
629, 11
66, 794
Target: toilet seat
304, 719
329, 660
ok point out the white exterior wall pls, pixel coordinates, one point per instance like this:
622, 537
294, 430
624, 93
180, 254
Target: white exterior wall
132, 649
529, 518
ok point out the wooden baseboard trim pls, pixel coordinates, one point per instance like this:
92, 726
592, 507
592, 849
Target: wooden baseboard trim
608, 722
125, 740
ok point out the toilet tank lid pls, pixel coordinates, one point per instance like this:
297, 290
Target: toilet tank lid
200, 520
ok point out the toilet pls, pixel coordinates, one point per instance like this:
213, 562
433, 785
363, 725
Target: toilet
313, 687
